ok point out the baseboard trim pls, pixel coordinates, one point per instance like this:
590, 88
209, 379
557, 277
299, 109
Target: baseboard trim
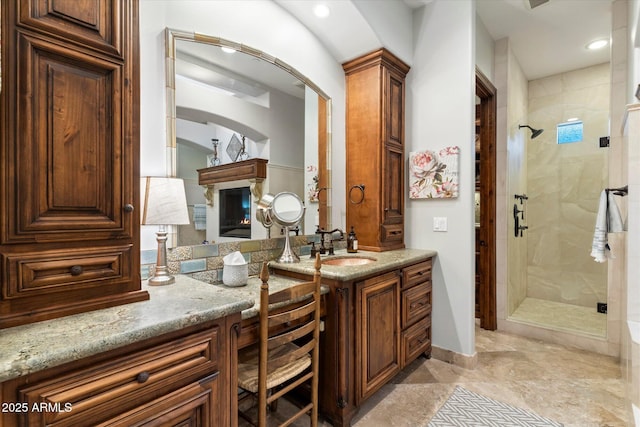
463, 360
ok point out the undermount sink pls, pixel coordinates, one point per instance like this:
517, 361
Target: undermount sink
352, 260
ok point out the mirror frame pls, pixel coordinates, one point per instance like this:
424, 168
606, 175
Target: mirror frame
324, 110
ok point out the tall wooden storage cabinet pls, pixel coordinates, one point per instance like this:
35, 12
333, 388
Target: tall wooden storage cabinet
375, 149
69, 163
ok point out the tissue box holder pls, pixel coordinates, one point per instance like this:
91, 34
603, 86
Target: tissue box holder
235, 275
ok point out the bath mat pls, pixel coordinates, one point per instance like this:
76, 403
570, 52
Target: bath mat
465, 408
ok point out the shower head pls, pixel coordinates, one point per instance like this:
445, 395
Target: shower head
534, 132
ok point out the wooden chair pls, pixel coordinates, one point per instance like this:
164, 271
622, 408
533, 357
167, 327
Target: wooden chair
286, 356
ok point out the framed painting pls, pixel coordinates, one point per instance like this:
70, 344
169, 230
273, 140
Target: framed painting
434, 174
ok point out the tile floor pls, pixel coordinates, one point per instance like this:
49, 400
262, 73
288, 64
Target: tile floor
571, 386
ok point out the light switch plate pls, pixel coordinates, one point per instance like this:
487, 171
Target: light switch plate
440, 223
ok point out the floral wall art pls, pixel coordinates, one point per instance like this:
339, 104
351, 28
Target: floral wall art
434, 174
312, 188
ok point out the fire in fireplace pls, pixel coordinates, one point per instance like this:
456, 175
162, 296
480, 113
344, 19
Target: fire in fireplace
235, 212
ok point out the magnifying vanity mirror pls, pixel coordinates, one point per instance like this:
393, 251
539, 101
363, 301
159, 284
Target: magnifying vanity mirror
285, 209
228, 105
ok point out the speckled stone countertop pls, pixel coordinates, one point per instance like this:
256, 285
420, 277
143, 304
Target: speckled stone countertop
384, 261
252, 291
30, 348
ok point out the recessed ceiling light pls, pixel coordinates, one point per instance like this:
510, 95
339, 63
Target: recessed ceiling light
597, 44
226, 49
573, 119
321, 10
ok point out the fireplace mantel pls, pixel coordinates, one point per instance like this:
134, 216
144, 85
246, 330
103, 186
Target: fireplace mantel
246, 169
255, 170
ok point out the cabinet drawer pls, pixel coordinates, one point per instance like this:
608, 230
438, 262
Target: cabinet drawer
46, 271
416, 340
92, 395
195, 404
417, 273
416, 303
391, 232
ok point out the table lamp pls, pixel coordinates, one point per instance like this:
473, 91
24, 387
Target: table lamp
163, 203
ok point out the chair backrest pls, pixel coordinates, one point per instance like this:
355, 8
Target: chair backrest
290, 316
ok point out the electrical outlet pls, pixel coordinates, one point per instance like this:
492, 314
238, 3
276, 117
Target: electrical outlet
602, 307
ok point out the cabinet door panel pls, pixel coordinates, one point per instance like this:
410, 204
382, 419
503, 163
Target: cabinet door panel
379, 334
394, 106
393, 185
77, 140
90, 22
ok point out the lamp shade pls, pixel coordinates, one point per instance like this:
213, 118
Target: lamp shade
163, 201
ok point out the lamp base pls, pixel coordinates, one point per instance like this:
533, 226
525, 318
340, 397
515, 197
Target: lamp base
161, 276
162, 280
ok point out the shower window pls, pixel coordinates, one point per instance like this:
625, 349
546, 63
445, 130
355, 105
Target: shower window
569, 132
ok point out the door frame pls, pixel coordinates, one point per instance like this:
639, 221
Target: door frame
487, 268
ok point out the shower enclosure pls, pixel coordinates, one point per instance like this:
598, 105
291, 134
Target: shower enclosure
553, 281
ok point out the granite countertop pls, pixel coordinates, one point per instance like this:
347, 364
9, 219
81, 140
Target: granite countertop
30, 348
384, 261
252, 291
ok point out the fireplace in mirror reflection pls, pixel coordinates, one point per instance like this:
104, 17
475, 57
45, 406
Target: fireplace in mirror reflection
235, 212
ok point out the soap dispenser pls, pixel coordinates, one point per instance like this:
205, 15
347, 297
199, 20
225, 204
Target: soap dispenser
352, 242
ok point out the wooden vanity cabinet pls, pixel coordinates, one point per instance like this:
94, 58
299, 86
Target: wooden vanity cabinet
375, 91
181, 379
375, 325
69, 162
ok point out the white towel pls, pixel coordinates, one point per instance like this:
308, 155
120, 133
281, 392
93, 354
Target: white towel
200, 217
608, 220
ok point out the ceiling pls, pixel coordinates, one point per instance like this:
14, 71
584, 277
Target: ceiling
552, 37
546, 40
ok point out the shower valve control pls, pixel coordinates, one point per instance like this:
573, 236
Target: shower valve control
521, 228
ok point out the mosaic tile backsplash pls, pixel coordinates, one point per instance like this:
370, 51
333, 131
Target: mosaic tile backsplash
204, 262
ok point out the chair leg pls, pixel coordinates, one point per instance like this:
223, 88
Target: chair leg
273, 406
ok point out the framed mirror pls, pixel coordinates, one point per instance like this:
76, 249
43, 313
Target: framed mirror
231, 105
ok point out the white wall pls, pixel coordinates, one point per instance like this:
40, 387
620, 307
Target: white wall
485, 50
260, 24
391, 23
440, 113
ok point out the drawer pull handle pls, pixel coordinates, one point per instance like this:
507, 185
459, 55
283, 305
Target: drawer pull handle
417, 304
76, 270
143, 377
129, 208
